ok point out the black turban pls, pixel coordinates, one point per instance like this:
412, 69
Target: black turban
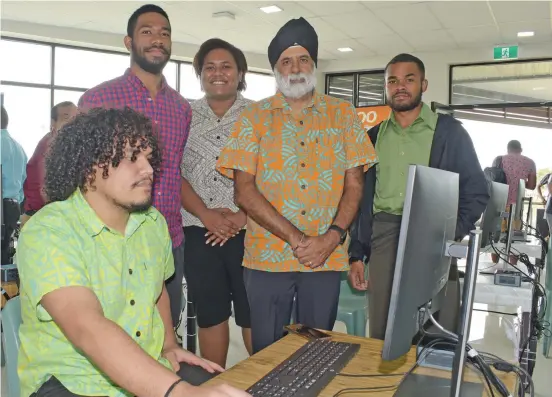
294, 32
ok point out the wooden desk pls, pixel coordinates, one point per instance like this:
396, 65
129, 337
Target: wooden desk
367, 361
11, 289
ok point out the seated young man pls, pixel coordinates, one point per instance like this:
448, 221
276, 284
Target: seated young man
96, 314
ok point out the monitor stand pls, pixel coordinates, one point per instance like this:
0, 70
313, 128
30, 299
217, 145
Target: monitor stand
415, 385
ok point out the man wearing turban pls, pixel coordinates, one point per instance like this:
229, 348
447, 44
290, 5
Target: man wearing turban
297, 161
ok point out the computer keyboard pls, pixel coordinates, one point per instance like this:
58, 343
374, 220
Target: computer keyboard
307, 371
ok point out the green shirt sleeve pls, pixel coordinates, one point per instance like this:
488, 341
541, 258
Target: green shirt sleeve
48, 258
169, 259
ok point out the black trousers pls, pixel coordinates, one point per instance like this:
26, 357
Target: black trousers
381, 271
189, 373
11, 214
174, 284
271, 294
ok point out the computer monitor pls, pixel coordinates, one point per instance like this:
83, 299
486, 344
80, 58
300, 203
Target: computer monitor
422, 268
519, 200
491, 223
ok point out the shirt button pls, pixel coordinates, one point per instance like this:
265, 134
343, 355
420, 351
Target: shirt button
218, 121
216, 158
303, 212
129, 271
149, 99
402, 153
302, 143
400, 194
218, 137
132, 302
159, 194
210, 199
301, 122
138, 333
303, 165
303, 187
215, 179
156, 122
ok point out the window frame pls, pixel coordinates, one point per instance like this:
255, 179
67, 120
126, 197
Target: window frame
356, 83
53, 87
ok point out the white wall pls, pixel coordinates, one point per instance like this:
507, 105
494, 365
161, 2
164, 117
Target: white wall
437, 65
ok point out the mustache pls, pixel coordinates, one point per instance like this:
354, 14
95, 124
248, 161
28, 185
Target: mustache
157, 47
149, 180
401, 93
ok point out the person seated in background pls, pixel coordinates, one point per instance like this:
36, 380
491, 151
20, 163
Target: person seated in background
92, 263
13, 160
516, 167
413, 134
213, 224
33, 188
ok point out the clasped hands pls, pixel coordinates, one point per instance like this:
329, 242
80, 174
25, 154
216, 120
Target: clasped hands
314, 251
222, 224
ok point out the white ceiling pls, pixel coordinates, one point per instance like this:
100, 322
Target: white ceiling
369, 27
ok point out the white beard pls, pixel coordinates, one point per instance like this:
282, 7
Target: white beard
297, 89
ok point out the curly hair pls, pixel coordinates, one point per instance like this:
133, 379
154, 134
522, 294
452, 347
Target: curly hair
96, 138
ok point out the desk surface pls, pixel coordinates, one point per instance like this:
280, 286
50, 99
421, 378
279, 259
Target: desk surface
367, 361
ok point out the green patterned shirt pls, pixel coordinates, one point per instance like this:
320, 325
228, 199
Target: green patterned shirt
66, 244
397, 149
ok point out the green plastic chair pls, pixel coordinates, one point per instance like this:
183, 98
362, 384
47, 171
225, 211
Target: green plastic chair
11, 320
352, 308
547, 339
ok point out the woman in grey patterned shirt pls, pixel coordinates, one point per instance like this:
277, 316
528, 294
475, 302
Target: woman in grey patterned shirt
214, 227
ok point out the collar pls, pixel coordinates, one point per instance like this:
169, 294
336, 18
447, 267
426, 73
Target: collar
426, 116
318, 102
93, 224
202, 105
137, 83
5, 133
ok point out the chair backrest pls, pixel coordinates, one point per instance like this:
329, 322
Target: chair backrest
11, 320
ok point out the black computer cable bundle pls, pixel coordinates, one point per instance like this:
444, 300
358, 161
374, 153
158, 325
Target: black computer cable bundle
544, 243
540, 327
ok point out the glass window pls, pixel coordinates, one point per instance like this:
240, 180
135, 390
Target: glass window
508, 82
66, 95
341, 87
25, 127
190, 87
170, 73
86, 69
371, 89
259, 86
32, 62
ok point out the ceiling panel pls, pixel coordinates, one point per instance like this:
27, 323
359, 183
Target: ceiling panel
326, 31
456, 14
510, 11
478, 35
359, 24
358, 48
409, 19
433, 40
329, 8
389, 45
542, 29
374, 5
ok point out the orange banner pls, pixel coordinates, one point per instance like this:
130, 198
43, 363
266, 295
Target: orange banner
373, 115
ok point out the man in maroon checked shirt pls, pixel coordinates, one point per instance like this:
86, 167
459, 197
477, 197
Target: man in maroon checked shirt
144, 89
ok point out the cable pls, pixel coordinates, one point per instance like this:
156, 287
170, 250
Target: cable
495, 312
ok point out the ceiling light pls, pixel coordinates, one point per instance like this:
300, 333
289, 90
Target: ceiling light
526, 34
538, 88
345, 49
271, 9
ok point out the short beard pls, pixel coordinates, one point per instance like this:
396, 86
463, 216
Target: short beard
135, 207
147, 66
295, 90
405, 107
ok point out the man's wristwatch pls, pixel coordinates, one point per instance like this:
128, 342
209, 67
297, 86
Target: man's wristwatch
342, 233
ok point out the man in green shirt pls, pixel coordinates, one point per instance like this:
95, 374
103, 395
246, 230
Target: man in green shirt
96, 314
413, 134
